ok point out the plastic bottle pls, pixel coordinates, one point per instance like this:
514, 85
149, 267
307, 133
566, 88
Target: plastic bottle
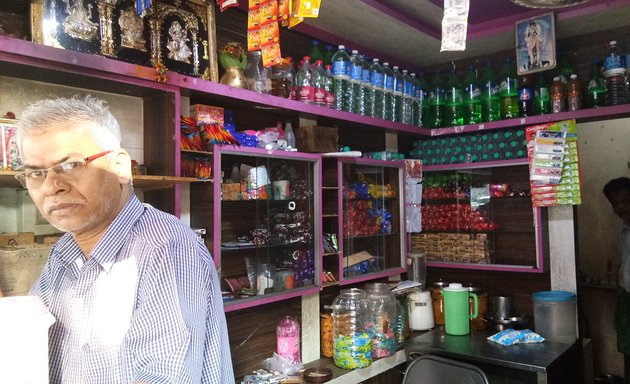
407, 100
352, 344
437, 100
490, 101
509, 91
614, 58
596, 90
356, 94
416, 101
289, 136
288, 339
341, 78
542, 99
378, 90
319, 84
574, 93
316, 53
616, 92
564, 70
366, 87
399, 90
328, 85
282, 79
526, 95
305, 90
454, 100
424, 95
328, 55
472, 97
388, 81
558, 96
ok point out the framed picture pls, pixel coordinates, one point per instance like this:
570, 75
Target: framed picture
9, 154
535, 44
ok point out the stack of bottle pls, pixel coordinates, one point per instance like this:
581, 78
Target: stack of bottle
470, 148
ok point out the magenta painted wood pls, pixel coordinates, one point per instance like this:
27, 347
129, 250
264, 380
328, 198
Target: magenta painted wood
371, 276
486, 164
235, 305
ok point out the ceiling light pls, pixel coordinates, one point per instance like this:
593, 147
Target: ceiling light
548, 3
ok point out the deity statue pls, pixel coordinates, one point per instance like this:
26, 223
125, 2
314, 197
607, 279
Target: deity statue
177, 47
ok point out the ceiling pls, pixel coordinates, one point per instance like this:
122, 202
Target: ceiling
408, 32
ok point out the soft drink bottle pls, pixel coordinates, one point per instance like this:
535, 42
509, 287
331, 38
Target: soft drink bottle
356, 72
319, 83
574, 93
366, 87
378, 90
437, 103
388, 81
328, 85
526, 95
557, 95
472, 97
614, 58
564, 69
542, 98
399, 89
407, 98
305, 91
509, 91
490, 101
328, 55
288, 339
316, 53
454, 100
596, 90
341, 78
424, 96
416, 101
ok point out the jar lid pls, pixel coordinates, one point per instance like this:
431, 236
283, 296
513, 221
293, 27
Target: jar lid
475, 289
615, 72
552, 296
456, 287
438, 284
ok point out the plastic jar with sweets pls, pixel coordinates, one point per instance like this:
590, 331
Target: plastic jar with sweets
381, 319
352, 346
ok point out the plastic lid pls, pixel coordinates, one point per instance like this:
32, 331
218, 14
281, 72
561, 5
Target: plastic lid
615, 72
551, 296
341, 46
574, 76
456, 287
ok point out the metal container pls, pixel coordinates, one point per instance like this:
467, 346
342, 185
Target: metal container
417, 268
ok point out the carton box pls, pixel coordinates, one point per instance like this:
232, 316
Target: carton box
20, 267
207, 114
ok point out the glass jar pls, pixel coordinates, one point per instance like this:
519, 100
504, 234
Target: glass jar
282, 79
438, 300
258, 79
326, 334
352, 346
481, 321
381, 319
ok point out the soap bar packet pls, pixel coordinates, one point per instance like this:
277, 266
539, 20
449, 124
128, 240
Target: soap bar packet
510, 337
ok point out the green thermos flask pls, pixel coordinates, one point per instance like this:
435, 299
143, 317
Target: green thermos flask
457, 309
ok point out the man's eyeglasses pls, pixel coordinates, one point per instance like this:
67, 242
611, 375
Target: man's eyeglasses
67, 170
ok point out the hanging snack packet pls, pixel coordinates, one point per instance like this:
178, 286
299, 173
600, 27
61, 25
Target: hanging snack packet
305, 8
268, 11
271, 54
283, 12
455, 25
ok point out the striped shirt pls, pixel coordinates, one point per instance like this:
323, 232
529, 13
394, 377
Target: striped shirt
145, 307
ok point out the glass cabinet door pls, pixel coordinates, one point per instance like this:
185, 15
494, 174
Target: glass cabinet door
266, 225
372, 221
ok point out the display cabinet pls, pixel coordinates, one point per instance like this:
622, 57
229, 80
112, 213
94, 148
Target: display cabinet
480, 216
262, 216
370, 217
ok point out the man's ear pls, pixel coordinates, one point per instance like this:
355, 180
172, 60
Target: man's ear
123, 166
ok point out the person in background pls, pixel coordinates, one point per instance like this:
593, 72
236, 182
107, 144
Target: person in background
134, 291
617, 191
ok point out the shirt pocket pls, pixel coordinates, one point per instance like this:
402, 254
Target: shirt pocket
102, 364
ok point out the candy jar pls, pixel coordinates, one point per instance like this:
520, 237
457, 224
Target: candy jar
381, 319
288, 339
352, 346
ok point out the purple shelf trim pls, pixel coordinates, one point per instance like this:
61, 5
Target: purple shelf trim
485, 267
245, 151
231, 306
486, 164
370, 276
365, 161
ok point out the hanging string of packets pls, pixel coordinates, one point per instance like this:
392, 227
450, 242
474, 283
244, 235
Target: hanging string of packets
199, 136
142, 6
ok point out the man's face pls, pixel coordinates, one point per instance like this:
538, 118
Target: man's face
620, 202
81, 205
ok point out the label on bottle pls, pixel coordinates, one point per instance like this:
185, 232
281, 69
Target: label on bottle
330, 100
356, 72
408, 88
377, 79
340, 69
574, 101
306, 93
389, 83
612, 62
289, 346
320, 96
557, 104
525, 94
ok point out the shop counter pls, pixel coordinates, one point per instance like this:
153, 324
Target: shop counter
546, 362
344, 376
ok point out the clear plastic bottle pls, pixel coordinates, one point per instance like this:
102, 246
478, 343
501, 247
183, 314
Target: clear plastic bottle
408, 85
416, 101
614, 58
381, 319
399, 91
490, 100
288, 339
341, 78
437, 102
356, 94
378, 90
454, 100
558, 96
388, 81
289, 136
352, 345
366, 87
305, 91
472, 97
319, 84
596, 88
258, 77
574, 93
542, 98
282, 79
328, 85
509, 91
424, 96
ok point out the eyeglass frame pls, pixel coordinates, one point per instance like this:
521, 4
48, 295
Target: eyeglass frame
22, 176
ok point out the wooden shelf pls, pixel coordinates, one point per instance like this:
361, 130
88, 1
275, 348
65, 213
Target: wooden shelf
196, 153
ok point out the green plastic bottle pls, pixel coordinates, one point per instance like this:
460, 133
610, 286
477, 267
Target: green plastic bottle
490, 101
454, 100
509, 91
542, 100
316, 53
437, 103
596, 90
472, 97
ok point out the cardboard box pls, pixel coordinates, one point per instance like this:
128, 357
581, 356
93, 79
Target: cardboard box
207, 114
20, 267
17, 239
318, 139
